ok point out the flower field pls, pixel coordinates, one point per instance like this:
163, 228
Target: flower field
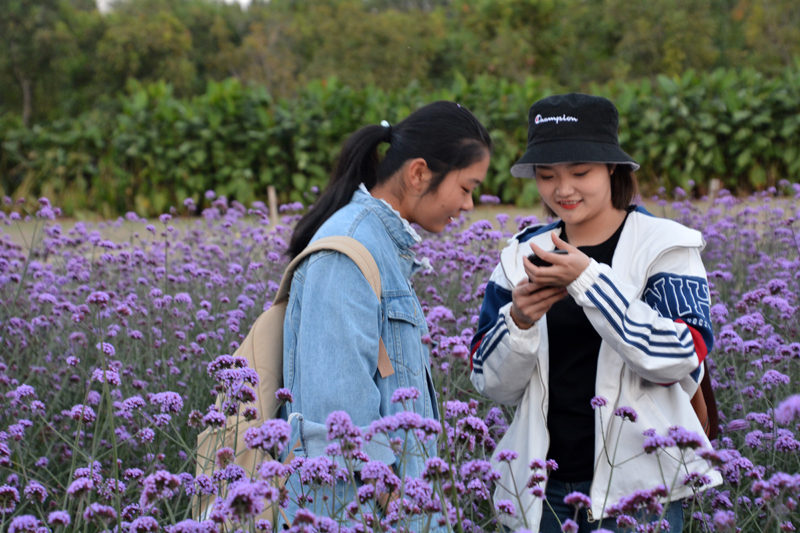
115, 355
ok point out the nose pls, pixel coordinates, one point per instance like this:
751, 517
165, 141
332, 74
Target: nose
468, 204
564, 188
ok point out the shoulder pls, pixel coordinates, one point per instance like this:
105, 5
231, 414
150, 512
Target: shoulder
532, 231
357, 221
361, 223
661, 232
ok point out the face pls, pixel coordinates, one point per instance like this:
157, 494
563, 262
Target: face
434, 210
578, 193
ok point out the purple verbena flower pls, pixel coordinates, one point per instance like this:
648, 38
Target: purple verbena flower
144, 524
284, 395
598, 401
247, 500
271, 437
472, 431
170, 402
404, 394
686, 439
99, 512
773, 377
9, 498
24, 523
578, 500
725, 520
788, 409
381, 475
59, 518
35, 491
160, 485
435, 468
506, 455
626, 413
106, 376
569, 526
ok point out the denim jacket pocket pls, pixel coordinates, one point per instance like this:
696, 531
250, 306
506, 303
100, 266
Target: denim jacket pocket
403, 338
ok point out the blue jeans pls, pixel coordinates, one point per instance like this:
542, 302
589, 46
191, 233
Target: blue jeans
557, 490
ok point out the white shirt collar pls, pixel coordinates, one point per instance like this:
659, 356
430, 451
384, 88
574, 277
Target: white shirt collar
424, 262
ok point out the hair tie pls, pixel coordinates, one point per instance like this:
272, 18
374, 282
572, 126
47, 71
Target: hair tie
387, 131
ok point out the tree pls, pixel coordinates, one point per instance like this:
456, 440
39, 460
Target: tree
662, 36
388, 48
147, 42
772, 32
31, 33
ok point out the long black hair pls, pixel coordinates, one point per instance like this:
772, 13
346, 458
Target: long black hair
447, 136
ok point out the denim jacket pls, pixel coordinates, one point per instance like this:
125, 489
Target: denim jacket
332, 329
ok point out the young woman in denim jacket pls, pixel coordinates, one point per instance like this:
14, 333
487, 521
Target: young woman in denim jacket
436, 158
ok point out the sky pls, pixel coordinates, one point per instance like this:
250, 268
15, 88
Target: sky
103, 5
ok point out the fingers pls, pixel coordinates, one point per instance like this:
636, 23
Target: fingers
550, 257
562, 244
528, 307
544, 296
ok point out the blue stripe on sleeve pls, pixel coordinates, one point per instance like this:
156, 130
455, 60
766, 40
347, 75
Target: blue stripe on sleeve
619, 331
484, 352
653, 331
614, 288
494, 298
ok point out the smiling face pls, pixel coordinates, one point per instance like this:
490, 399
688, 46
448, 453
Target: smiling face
578, 193
435, 209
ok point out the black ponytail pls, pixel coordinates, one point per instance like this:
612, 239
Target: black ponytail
447, 136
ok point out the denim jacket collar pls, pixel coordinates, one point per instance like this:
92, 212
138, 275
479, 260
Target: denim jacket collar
400, 230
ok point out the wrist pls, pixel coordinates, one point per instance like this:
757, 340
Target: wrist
522, 322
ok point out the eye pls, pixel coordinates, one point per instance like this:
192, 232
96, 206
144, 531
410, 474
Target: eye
466, 190
581, 174
544, 176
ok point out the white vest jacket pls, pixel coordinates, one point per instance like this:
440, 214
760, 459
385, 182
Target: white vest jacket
642, 309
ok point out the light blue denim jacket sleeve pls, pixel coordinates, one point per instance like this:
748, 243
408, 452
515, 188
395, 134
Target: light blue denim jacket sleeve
337, 338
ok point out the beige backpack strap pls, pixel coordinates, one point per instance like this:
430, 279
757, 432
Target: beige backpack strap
365, 262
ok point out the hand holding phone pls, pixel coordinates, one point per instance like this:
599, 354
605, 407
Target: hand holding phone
539, 262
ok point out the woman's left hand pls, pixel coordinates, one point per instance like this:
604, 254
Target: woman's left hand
565, 268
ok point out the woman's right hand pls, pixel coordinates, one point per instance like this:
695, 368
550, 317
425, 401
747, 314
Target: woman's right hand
530, 301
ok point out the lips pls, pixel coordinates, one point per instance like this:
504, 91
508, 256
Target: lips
569, 205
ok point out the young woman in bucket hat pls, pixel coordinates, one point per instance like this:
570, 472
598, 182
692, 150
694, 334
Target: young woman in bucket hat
620, 320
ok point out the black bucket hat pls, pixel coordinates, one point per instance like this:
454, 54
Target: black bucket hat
571, 128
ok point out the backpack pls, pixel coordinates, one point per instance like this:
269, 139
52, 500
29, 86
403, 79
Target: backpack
705, 405
263, 349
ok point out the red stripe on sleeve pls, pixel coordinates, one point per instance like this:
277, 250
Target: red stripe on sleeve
475, 349
699, 344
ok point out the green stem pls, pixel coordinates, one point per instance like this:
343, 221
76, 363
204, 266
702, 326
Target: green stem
611, 474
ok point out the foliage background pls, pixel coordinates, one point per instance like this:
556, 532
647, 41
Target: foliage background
155, 101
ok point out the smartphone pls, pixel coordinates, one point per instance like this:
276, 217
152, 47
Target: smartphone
539, 262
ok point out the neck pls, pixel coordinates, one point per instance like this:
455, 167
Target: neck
383, 192
596, 230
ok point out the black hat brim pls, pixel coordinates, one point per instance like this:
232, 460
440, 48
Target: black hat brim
570, 151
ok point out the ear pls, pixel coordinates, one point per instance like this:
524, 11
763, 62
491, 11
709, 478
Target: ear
418, 174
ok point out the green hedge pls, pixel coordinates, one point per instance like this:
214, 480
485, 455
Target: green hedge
154, 150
